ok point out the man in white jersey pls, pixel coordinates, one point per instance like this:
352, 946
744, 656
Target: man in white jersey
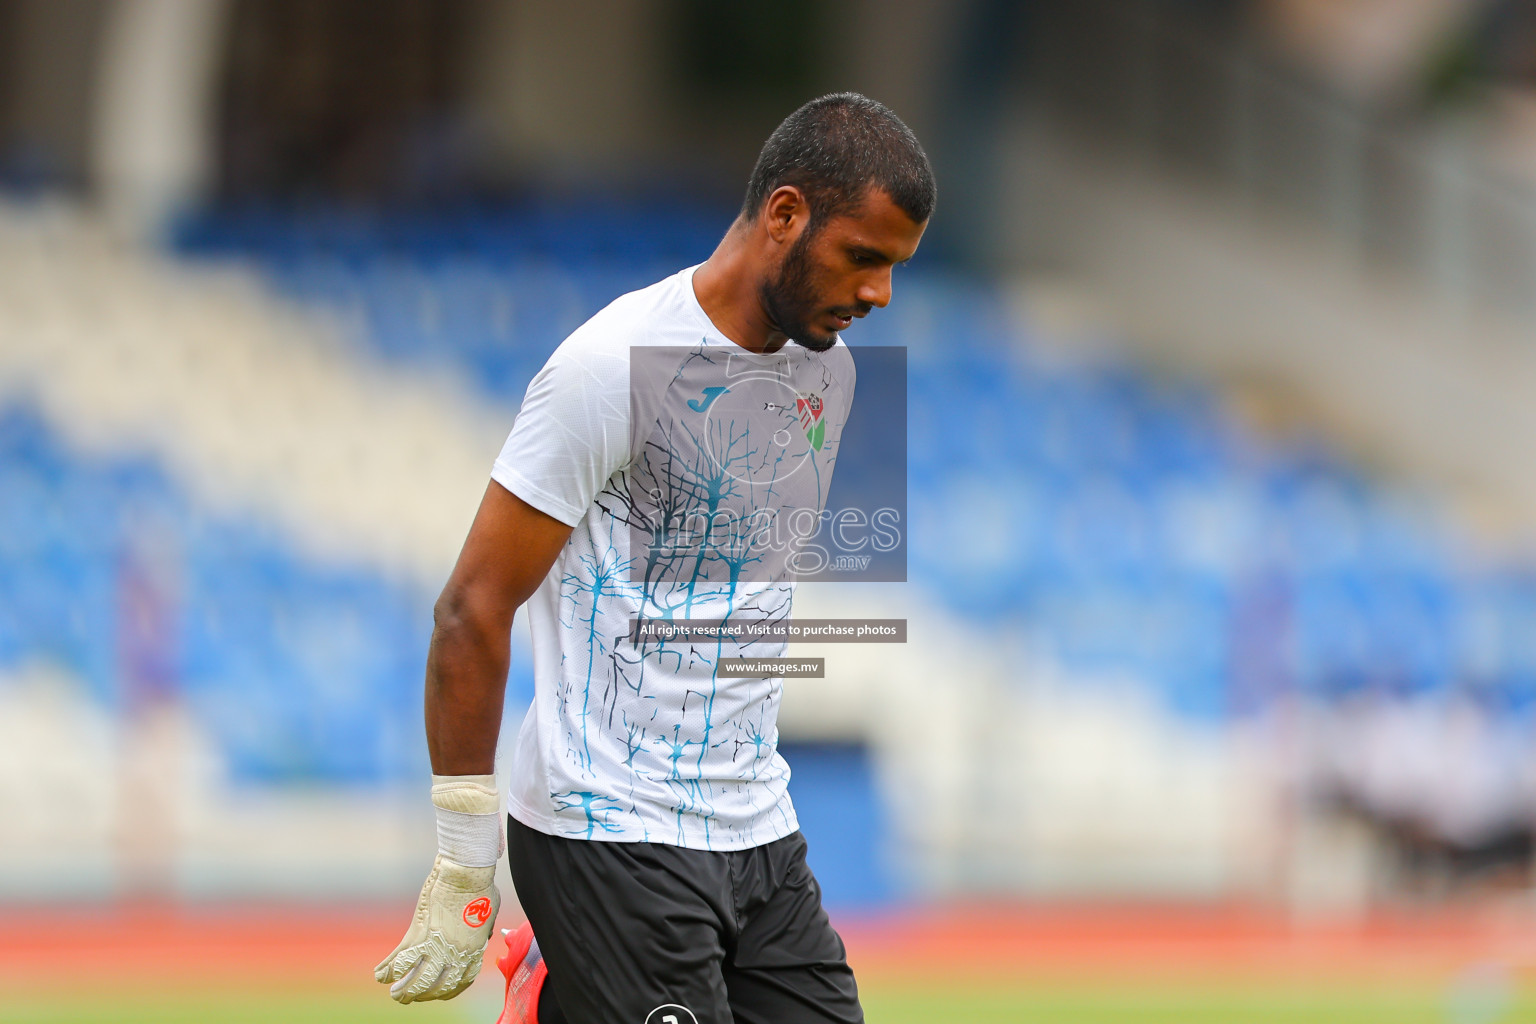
656, 472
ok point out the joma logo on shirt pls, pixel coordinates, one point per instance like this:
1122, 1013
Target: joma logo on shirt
710, 394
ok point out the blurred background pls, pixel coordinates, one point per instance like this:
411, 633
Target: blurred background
1219, 701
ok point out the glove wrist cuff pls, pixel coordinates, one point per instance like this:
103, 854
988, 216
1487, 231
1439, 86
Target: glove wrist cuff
468, 819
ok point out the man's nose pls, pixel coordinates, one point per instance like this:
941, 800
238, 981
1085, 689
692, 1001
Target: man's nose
876, 292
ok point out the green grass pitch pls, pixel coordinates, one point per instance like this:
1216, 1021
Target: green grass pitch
906, 1003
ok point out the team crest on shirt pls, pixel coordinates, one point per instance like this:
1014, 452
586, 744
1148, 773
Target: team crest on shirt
810, 407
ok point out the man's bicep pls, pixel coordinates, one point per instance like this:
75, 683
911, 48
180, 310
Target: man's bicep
509, 551
571, 433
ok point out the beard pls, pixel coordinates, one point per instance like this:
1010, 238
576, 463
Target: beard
789, 298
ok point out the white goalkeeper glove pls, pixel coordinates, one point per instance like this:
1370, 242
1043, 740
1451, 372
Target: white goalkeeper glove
441, 952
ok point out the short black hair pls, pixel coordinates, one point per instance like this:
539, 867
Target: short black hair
834, 149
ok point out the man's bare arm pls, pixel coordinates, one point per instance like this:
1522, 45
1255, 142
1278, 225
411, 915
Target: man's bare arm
509, 551
510, 547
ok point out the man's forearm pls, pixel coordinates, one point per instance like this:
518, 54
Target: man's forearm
466, 686
509, 551
444, 946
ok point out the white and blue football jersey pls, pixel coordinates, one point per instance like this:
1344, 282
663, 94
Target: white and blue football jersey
694, 474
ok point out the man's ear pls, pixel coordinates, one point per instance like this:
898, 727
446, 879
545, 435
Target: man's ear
785, 213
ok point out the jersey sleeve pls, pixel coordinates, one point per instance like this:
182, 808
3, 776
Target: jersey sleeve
571, 434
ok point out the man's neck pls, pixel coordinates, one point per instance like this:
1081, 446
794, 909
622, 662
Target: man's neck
726, 286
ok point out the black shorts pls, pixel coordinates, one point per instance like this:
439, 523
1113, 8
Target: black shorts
629, 928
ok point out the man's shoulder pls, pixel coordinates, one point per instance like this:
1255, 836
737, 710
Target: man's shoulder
651, 315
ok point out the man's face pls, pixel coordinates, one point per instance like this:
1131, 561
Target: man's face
839, 270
